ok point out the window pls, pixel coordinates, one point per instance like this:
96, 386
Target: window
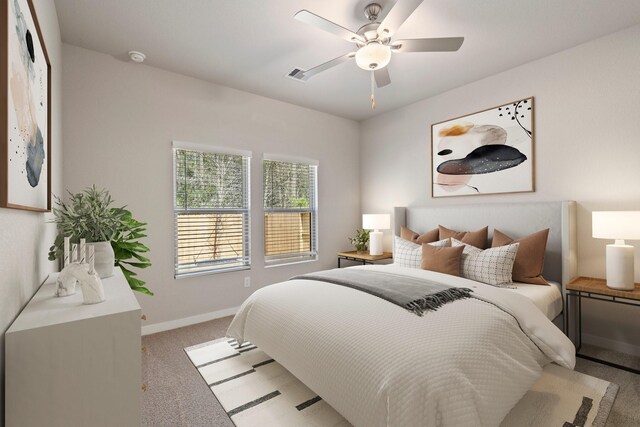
290, 210
211, 207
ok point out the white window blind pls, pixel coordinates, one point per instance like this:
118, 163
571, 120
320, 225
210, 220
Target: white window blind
211, 206
290, 211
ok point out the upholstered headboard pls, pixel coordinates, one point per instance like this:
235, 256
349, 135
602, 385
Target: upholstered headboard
515, 219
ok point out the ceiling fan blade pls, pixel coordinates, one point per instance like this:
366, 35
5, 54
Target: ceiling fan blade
396, 17
326, 25
305, 75
444, 44
382, 77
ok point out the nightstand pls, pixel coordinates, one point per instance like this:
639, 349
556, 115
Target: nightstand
596, 289
363, 258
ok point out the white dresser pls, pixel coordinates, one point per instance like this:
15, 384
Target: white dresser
69, 364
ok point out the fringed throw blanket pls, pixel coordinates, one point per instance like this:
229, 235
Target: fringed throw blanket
415, 295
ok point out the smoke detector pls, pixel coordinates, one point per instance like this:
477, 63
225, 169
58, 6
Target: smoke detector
137, 56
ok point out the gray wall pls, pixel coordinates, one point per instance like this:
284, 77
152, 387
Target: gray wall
120, 119
25, 237
587, 149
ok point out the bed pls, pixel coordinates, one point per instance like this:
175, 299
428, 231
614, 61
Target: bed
468, 363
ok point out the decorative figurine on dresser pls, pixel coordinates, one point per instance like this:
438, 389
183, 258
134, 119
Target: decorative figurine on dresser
79, 267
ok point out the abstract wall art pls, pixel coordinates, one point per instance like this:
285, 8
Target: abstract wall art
487, 152
25, 110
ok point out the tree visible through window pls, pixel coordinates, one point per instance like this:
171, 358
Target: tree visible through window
290, 211
211, 211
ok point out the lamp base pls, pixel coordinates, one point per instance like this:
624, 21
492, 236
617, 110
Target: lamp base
620, 272
375, 243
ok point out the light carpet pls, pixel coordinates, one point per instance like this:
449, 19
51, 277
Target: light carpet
255, 390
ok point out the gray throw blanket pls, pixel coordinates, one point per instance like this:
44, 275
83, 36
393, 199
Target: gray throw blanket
413, 294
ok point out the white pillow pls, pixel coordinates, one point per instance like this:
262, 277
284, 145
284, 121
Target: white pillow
409, 254
493, 266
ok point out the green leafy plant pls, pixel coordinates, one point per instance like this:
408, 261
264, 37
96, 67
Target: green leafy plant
89, 215
128, 250
361, 240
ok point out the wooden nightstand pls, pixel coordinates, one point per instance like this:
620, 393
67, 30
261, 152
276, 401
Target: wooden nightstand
596, 289
363, 258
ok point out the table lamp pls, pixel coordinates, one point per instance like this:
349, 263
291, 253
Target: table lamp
376, 222
618, 225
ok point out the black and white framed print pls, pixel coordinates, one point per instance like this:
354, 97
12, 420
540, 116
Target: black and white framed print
487, 152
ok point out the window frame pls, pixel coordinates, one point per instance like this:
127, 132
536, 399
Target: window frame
245, 211
292, 257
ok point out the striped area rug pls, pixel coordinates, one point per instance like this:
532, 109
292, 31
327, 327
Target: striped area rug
255, 390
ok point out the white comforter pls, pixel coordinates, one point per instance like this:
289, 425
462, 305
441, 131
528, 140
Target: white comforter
466, 364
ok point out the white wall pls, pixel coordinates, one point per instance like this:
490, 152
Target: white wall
587, 111
25, 237
120, 119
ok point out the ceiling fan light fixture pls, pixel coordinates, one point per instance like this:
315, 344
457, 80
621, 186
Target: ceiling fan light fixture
373, 56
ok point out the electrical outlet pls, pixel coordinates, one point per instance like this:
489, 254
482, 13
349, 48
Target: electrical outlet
247, 282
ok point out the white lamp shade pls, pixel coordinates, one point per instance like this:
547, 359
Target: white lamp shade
373, 56
616, 225
376, 221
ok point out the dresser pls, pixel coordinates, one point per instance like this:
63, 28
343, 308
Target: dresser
70, 364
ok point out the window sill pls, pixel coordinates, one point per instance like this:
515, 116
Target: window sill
293, 262
208, 272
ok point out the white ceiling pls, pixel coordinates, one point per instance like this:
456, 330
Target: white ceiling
251, 44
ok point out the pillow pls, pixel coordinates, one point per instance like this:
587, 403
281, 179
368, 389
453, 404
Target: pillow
412, 236
491, 266
473, 238
529, 262
409, 254
441, 259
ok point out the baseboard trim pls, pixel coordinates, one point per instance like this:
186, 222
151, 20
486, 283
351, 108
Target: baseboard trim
609, 344
187, 321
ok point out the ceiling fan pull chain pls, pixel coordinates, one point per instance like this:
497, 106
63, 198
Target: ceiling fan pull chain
373, 85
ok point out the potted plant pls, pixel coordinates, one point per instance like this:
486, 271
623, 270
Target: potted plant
361, 241
112, 231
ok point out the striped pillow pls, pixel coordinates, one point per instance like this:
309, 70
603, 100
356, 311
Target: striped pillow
492, 266
409, 254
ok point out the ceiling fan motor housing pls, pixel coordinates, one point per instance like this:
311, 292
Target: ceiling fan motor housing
369, 32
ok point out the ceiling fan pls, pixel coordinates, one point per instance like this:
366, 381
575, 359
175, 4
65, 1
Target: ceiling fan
374, 42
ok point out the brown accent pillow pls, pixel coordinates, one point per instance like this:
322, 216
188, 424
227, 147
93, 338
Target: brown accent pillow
441, 259
529, 262
412, 236
474, 238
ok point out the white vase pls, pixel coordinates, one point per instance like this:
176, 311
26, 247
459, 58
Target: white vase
103, 258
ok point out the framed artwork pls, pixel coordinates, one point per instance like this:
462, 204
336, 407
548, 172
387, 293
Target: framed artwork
25, 110
488, 152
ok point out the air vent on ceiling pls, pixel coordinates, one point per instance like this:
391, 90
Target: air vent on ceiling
297, 74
